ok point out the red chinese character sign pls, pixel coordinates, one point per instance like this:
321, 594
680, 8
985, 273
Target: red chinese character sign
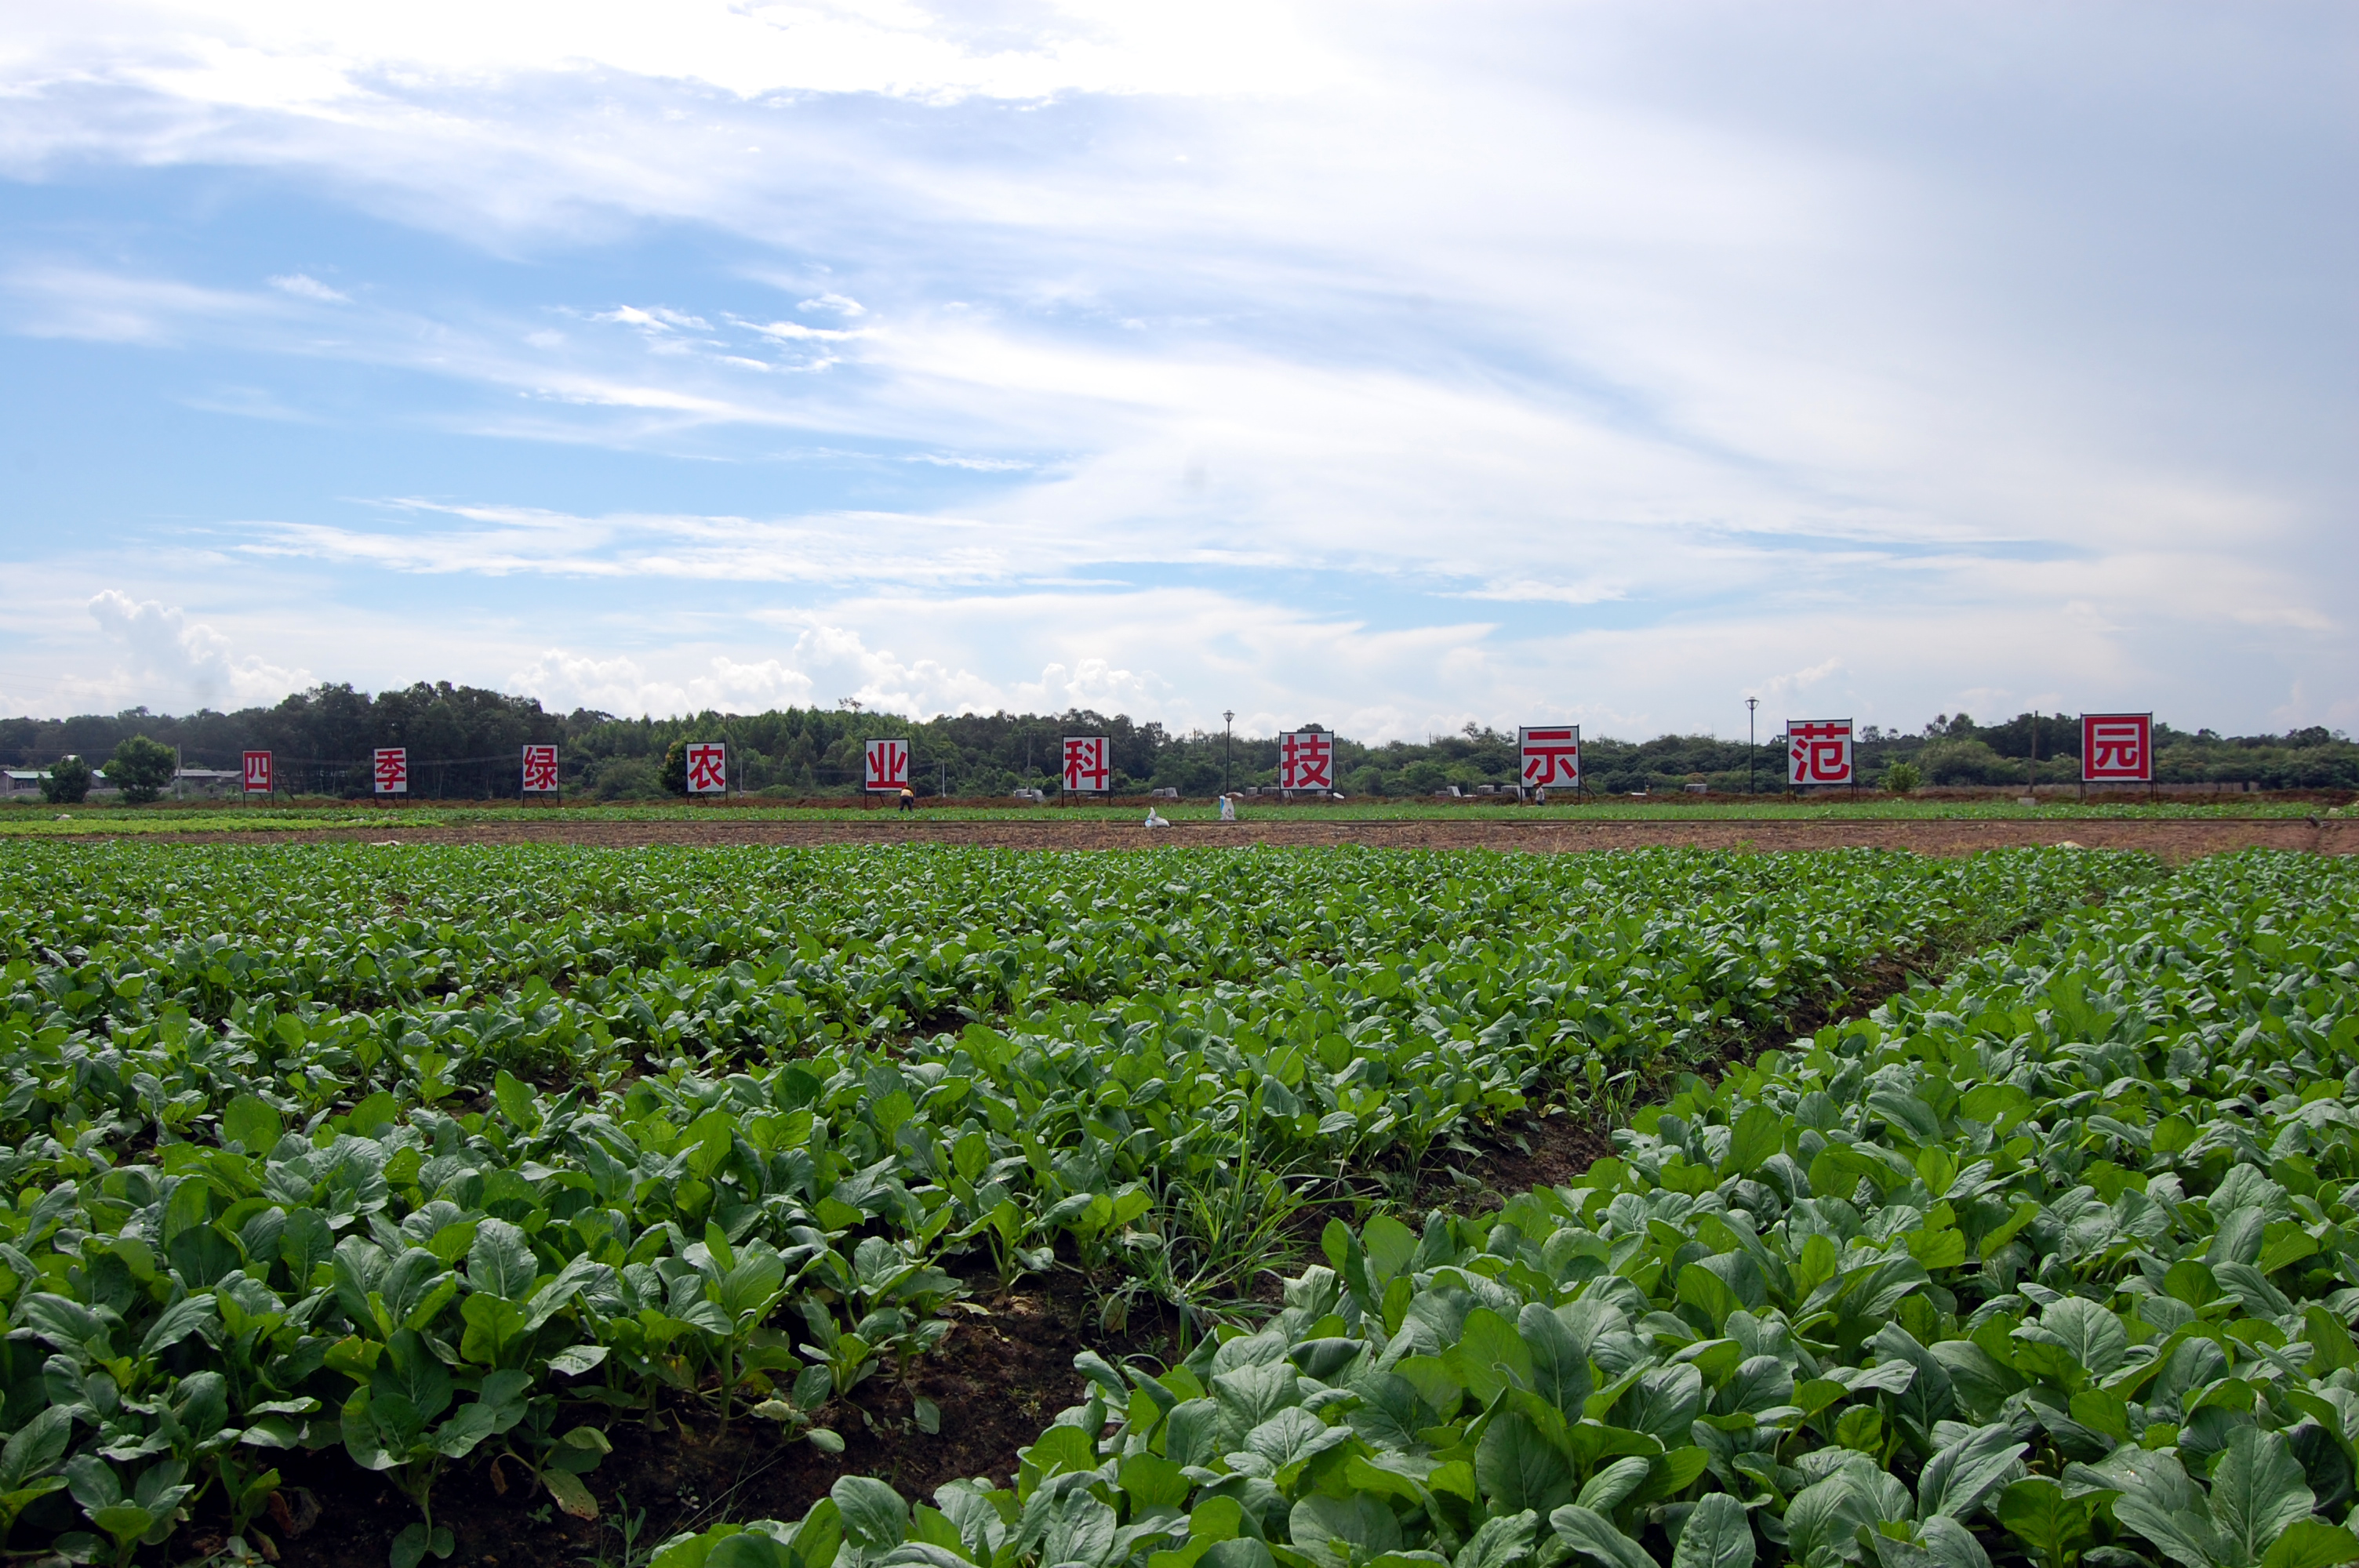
1550, 756
390, 769
2118, 748
1088, 764
1818, 751
257, 773
708, 768
1305, 760
540, 770
886, 765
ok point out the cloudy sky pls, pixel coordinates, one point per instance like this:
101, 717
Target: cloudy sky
1382, 365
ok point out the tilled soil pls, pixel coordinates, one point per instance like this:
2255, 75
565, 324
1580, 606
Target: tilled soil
999, 1379
2174, 840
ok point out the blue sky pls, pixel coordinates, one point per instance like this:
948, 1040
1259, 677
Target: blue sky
1385, 366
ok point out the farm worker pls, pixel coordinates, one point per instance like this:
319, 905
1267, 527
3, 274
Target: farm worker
1228, 808
909, 799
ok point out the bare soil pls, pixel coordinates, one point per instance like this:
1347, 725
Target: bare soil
998, 1380
1558, 1143
2173, 840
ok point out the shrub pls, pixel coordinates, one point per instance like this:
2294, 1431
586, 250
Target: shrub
141, 768
628, 778
675, 768
1966, 763
1902, 778
67, 783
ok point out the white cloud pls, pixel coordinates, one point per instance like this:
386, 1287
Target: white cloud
304, 286
188, 660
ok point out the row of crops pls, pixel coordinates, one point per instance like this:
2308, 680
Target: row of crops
449, 1157
2055, 1265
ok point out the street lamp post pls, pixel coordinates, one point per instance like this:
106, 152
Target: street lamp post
1228, 719
1752, 747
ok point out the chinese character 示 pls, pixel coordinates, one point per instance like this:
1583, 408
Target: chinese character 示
1818, 751
886, 765
708, 768
1087, 767
1550, 756
540, 770
390, 769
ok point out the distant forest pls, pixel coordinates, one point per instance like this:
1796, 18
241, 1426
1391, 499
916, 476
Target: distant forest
463, 744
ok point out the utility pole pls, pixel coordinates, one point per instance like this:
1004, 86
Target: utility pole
2031, 780
1228, 717
1752, 747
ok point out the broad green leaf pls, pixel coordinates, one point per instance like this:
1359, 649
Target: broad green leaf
2258, 1491
1518, 1468
499, 1261
522, 1108
1360, 1525
1717, 1535
1498, 1542
874, 1517
1604, 1491
1758, 1132
1560, 1362
252, 1123
1958, 1478
1594, 1536
1663, 1402
2311, 1543
2036, 1511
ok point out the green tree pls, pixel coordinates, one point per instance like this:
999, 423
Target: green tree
140, 768
1902, 778
67, 783
675, 767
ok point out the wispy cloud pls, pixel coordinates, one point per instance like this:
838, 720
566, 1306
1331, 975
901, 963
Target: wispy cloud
304, 286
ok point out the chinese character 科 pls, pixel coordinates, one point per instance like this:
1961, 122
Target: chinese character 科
708, 768
886, 765
2118, 747
390, 769
1087, 767
1305, 760
257, 773
1818, 751
1550, 756
540, 770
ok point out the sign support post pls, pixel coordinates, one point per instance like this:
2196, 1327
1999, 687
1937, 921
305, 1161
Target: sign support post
2118, 748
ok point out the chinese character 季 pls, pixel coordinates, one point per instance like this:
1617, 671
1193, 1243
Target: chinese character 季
257, 773
1818, 751
1305, 760
708, 768
885, 765
2118, 748
1550, 756
1089, 767
540, 770
390, 770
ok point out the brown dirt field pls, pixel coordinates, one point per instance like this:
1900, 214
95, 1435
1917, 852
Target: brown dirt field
2171, 840
999, 1379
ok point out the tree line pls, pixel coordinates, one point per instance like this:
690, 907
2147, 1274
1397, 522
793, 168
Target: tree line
464, 743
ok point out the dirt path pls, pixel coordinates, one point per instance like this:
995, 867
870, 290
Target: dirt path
2173, 840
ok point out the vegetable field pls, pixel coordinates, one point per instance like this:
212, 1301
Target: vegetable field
457, 1164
